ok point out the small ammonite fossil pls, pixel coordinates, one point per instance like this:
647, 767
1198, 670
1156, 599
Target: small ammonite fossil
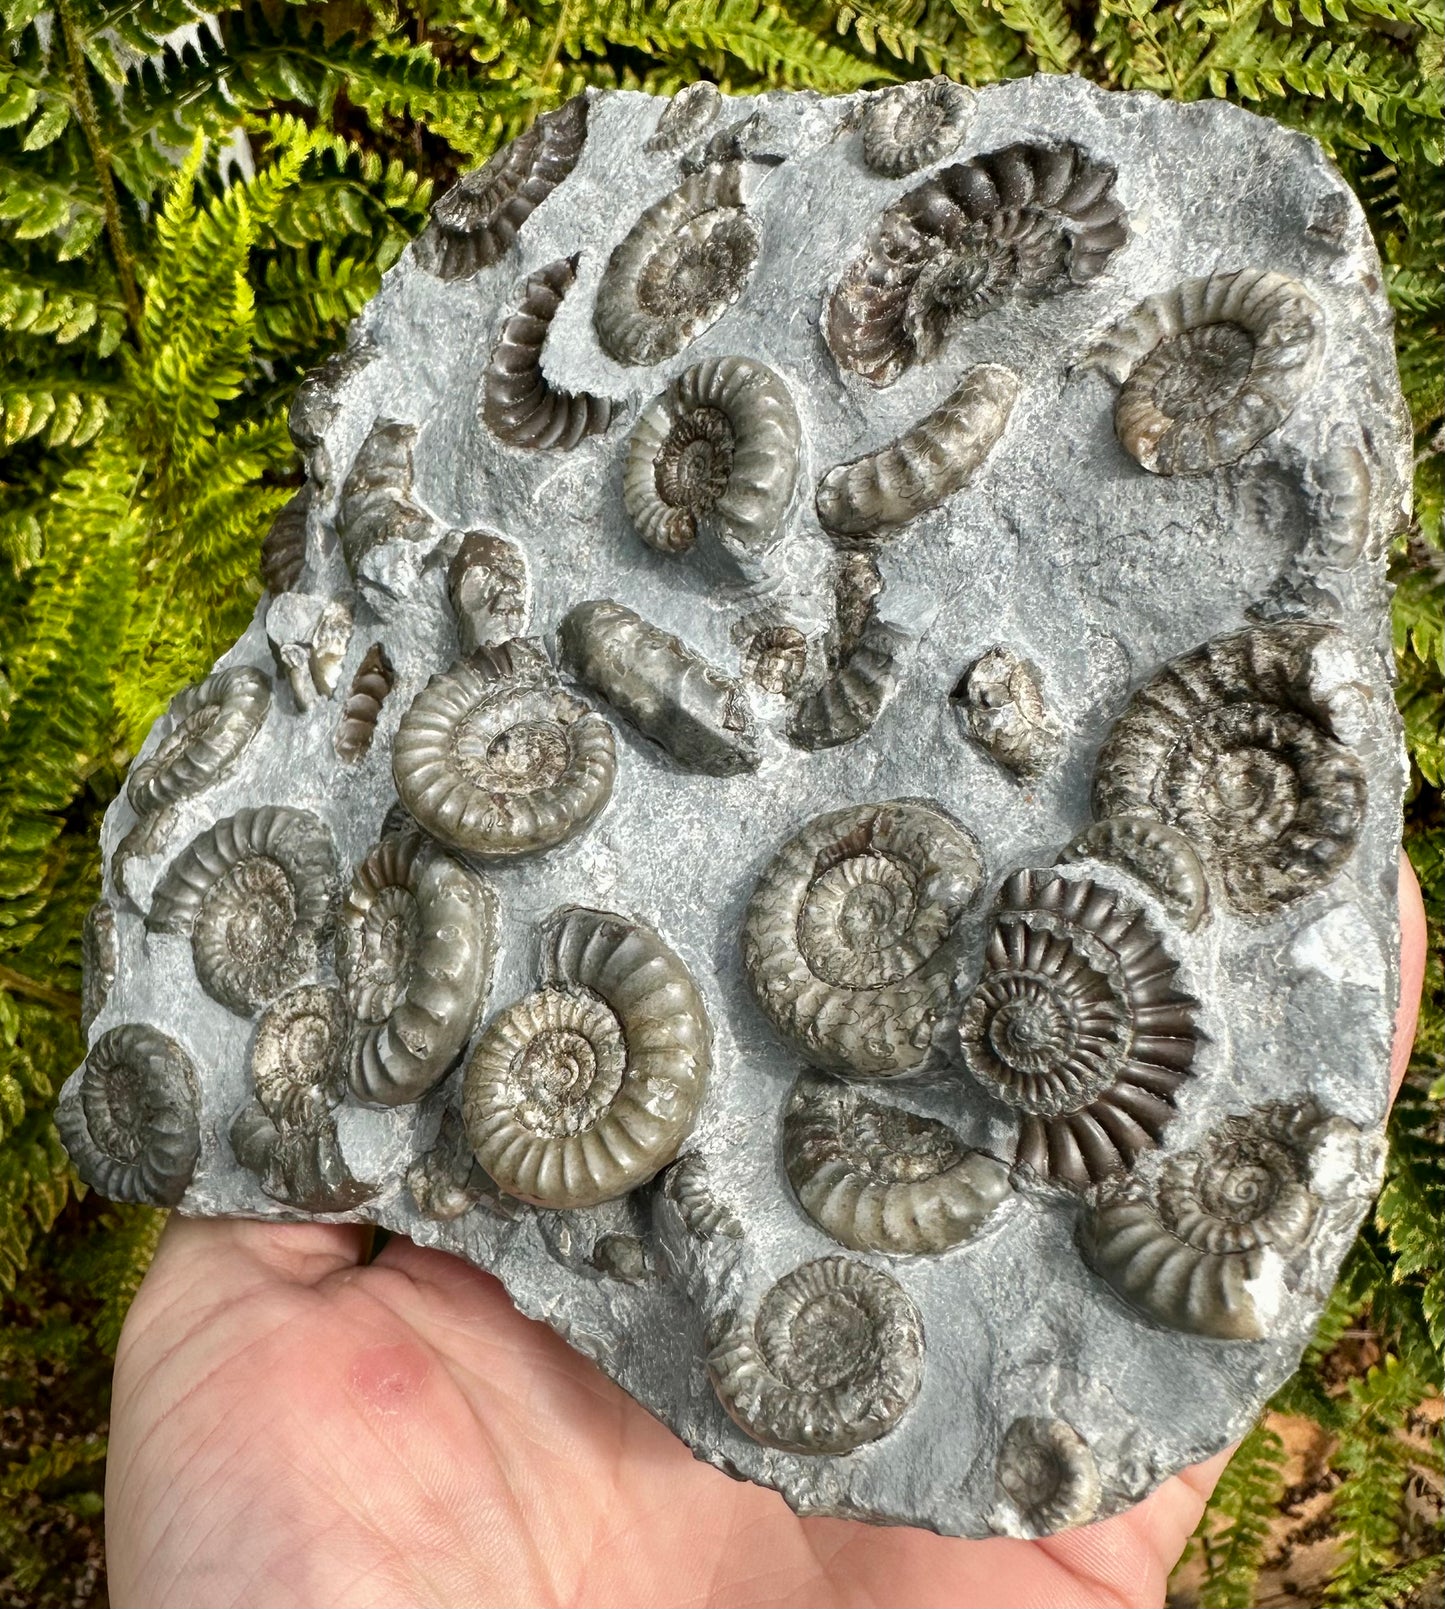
686, 117
1049, 1476
447, 1180
1210, 367
474, 223
414, 951
376, 499
705, 1215
878, 1178
865, 660
211, 725
584, 1089
912, 126
131, 1121
487, 589
296, 1054
299, 1164
370, 688
1078, 1023
283, 548
309, 637
682, 265
1235, 745
520, 406
99, 959
1158, 856
495, 759
1018, 223
254, 895
832, 1360
872, 496
849, 938
1001, 697
775, 657
718, 448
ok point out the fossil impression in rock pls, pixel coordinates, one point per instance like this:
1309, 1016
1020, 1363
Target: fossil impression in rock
1048, 1475
1007, 714
912, 126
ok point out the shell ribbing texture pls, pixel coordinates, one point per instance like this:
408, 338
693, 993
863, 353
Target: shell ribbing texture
487, 589
1003, 698
211, 725
1340, 524
370, 688
99, 959
299, 1164
865, 662
688, 1184
1159, 857
283, 548
296, 1054
685, 118
376, 501
319, 399
1048, 1473
912, 126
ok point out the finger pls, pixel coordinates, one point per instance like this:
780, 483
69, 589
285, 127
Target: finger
231, 1254
1412, 971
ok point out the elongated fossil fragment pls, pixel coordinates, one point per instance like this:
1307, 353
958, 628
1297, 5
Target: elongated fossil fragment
487, 589
211, 726
370, 688
1158, 856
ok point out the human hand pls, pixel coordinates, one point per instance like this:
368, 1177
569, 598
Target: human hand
292, 1427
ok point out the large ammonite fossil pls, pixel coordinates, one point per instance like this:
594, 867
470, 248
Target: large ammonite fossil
1078, 1023
832, 1360
848, 940
1234, 744
583, 1090
211, 725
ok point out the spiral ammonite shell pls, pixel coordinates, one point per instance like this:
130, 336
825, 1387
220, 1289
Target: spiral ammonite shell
775, 657
583, 1090
1001, 697
1049, 1475
414, 951
487, 589
1078, 1023
296, 1054
878, 1178
911, 126
1160, 857
254, 895
376, 499
686, 117
99, 959
1234, 744
494, 759
832, 1360
131, 1121
210, 727
865, 661
688, 1184
848, 940
299, 1164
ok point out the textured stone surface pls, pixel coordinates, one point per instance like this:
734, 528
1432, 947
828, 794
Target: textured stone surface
1012, 1321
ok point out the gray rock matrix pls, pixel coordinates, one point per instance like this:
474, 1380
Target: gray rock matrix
816, 785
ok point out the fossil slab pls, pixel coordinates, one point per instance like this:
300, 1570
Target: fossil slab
816, 786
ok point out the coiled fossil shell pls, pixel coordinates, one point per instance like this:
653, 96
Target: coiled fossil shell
583, 1090
776, 658
487, 588
1048, 1474
475, 222
283, 548
926, 465
1021, 222
1078, 1024
686, 117
520, 405
704, 1214
298, 1164
683, 264
877, 1178
1002, 697
414, 952
865, 661
668, 691
848, 940
254, 895
494, 759
447, 1181
1210, 367
99, 960
1160, 857
370, 688
1234, 745
211, 725
719, 447
832, 1361
912, 126
131, 1121
296, 1054
376, 502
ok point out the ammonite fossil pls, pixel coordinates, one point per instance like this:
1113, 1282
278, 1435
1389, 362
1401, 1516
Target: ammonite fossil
865, 660
686, 117
849, 938
1021, 222
131, 1121
376, 501
1049, 1476
447, 1180
309, 637
718, 448
878, 1178
912, 126
683, 264
688, 1183
474, 223
414, 951
1235, 745
370, 688
211, 725
296, 1054
1001, 697
585, 1089
1079, 1023
298, 1164
253, 893
832, 1360
776, 658
1210, 367
283, 548
493, 758
520, 406
487, 588
1339, 482
99, 959
1158, 856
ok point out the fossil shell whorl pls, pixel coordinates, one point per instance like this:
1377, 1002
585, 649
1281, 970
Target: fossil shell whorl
1078, 1023
912, 126
319, 400
1049, 1475
1021, 222
296, 1054
370, 688
283, 548
1234, 745
99, 960
474, 223
1002, 698
865, 662
775, 657
832, 1360
376, 498
254, 895
446, 1181
872, 496
719, 447
1210, 367
494, 759
1160, 857
414, 951
583, 1090
487, 589
877, 1178
682, 265
520, 405
210, 727
705, 1215
686, 117
1339, 483
848, 940
131, 1118
299, 1164
667, 690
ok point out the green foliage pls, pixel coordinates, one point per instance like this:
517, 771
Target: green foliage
194, 203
